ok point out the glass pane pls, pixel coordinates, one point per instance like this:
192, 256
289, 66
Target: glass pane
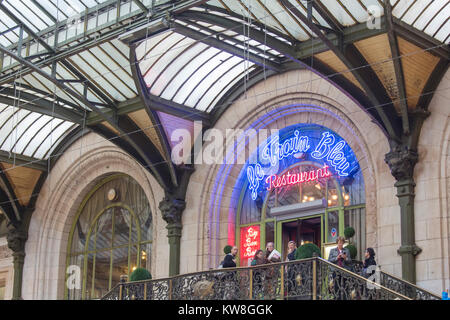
102, 273
145, 218
146, 256
78, 240
104, 230
74, 293
133, 259
333, 197
270, 233
333, 226
355, 218
120, 264
88, 276
121, 226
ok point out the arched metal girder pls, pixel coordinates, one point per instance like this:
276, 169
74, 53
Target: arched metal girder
9, 201
144, 156
291, 54
135, 133
363, 73
34, 103
152, 114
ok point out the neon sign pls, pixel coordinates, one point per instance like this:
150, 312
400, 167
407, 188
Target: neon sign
250, 242
274, 151
274, 181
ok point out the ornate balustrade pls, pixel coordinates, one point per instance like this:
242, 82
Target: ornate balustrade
308, 279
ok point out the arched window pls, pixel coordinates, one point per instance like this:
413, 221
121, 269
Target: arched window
110, 237
294, 199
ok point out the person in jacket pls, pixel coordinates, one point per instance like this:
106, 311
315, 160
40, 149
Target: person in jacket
340, 255
230, 259
368, 262
231, 284
291, 288
258, 275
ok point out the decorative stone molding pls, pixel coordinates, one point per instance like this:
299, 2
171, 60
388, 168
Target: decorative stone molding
401, 162
17, 240
172, 210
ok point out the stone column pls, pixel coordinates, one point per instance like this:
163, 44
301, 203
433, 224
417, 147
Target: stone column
16, 242
171, 210
401, 161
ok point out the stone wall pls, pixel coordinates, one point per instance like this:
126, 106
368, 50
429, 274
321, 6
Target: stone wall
78, 170
432, 201
205, 231
6, 268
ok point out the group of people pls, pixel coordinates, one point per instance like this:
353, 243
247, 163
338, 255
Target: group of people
341, 257
262, 279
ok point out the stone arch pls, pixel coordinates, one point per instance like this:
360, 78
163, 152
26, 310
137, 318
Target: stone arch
78, 170
432, 194
315, 101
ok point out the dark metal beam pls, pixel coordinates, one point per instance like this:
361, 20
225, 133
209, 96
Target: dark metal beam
65, 143
421, 39
363, 73
433, 81
38, 104
25, 27
327, 16
152, 114
214, 42
105, 117
398, 69
95, 36
9, 201
21, 160
141, 6
44, 10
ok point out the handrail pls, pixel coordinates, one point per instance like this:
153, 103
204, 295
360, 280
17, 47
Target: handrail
421, 291
298, 279
332, 265
417, 288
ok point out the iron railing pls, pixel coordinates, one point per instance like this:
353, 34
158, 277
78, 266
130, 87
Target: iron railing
308, 279
398, 285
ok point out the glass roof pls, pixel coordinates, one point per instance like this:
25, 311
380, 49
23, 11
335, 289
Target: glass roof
175, 67
30, 133
429, 16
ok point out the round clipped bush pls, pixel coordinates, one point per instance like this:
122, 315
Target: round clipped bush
349, 232
307, 251
140, 274
353, 251
227, 249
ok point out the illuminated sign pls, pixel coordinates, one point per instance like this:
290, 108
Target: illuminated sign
274, 181
327, 150
250, 242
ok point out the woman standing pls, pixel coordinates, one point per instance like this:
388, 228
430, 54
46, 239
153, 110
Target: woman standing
369, 263
258, 275
290, 270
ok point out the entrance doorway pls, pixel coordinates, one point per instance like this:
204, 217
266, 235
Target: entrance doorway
302, 230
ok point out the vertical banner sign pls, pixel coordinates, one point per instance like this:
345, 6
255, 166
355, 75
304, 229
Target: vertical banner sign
250, 243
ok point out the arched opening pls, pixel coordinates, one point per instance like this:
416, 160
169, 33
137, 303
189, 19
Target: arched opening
303, 184
110, 236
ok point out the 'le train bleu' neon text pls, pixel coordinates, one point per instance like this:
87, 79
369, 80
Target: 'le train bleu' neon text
274, 152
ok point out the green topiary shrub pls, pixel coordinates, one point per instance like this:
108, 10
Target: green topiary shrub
349, 232
140, 274
306, 251
227, 249
353, 251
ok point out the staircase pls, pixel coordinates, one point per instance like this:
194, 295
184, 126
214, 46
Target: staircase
308, 279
